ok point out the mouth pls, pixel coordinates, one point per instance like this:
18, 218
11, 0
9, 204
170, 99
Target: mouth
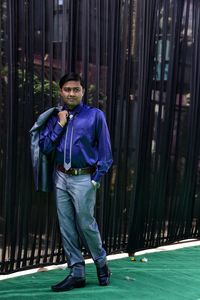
71, 100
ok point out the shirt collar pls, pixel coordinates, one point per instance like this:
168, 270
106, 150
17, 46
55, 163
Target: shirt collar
76, 109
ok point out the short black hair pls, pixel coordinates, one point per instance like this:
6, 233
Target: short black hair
71, 77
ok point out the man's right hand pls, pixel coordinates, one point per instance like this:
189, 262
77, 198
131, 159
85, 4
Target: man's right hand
63, 117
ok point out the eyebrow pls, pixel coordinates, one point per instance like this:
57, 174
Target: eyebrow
71, 87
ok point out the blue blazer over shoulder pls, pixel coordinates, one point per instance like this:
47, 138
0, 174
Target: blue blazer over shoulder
42, 164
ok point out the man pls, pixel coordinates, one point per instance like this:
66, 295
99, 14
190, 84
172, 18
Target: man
79, 136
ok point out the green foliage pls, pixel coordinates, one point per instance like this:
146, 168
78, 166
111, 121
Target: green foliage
45, 87
92, 94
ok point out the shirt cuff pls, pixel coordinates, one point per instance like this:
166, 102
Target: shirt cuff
96, 176
58, 129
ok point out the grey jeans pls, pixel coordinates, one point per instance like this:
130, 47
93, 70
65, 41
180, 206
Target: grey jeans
75, 199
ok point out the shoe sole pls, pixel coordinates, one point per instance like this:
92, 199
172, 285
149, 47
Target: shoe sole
79, 285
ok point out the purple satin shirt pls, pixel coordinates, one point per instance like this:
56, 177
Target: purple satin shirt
91, 140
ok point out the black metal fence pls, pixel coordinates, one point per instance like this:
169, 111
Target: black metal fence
140, 60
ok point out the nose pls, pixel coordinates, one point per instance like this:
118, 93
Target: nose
72, 92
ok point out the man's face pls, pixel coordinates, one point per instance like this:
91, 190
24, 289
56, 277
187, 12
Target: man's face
72, 93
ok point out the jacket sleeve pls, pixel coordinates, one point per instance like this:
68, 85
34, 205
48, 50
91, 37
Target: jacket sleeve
50, 135
104, 147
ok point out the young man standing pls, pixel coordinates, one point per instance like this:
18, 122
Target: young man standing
79, 136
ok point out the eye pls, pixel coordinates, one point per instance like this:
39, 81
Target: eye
77, 89
68, 90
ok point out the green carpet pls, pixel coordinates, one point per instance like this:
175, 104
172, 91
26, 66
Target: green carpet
166, 275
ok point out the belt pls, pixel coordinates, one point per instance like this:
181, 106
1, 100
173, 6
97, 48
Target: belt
78, 171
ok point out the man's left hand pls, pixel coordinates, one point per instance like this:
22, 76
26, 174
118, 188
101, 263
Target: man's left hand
96, 185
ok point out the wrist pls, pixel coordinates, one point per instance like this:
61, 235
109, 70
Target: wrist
62, 124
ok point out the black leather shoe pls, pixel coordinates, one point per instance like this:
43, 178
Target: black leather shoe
69, 283
103, 274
